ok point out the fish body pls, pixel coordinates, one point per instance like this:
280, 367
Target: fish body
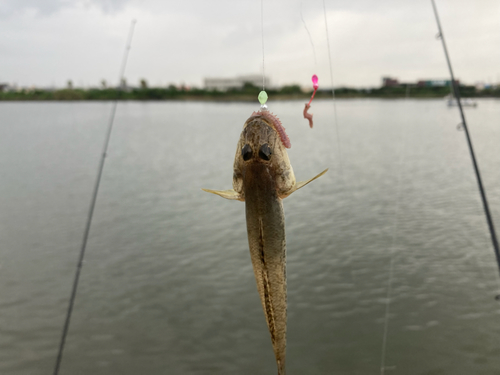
262, 177
266, 239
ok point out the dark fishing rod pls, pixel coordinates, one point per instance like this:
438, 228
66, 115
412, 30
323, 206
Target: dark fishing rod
456, 92
92, 204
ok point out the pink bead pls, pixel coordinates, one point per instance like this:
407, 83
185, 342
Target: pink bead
315, 81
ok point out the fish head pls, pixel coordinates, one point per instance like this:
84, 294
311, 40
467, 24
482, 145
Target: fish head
261, 161
261, 153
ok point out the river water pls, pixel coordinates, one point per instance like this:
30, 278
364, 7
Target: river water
167, 285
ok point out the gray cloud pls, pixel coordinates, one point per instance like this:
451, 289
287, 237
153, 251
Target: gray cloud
49, 42
13, 8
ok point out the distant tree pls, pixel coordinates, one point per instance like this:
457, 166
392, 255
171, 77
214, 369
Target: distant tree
104, 84
70, 85
123, 83
144, 84
291, 89
249, 86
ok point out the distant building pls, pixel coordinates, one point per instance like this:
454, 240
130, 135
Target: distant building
436, 83
393, 82
224, 84
480, 86
389, 82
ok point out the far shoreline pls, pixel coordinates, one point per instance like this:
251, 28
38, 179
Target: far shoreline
251, 99
247, 94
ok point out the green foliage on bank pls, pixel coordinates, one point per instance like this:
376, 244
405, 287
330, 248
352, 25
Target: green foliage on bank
247, 92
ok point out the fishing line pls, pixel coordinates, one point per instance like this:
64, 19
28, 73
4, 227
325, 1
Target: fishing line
392, 248
92, 205
333, 90
314, 78
262, 29
341, 169
310, 37
486, 207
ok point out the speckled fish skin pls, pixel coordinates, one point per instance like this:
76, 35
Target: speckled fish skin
262, 177
261, 182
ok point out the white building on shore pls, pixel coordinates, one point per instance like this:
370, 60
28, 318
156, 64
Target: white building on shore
224, 84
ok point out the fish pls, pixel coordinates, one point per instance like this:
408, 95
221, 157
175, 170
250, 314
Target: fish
262, 178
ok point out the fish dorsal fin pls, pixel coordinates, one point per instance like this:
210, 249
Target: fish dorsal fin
301, 184
228, 194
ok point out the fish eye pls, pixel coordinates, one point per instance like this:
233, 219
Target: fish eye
246, 152
265, 152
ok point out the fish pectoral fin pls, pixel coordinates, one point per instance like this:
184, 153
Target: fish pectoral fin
301, 184
228, 194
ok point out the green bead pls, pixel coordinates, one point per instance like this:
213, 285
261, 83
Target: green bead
263, 97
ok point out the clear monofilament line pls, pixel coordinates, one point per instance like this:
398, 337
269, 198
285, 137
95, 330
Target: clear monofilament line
388, 297
262, 29
390, 278
392, 248
310, 37
348, 190
333, 90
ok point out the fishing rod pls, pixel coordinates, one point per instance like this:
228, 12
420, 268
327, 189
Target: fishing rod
92, 204
456, 92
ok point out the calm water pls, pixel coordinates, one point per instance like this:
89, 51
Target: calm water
167, 285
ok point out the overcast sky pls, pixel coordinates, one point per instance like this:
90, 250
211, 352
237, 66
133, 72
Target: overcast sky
47, 42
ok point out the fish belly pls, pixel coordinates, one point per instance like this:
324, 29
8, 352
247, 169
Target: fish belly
266, 238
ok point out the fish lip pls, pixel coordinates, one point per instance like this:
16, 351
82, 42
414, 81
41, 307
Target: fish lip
273, 121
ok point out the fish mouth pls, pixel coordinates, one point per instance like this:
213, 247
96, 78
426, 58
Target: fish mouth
275, 123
